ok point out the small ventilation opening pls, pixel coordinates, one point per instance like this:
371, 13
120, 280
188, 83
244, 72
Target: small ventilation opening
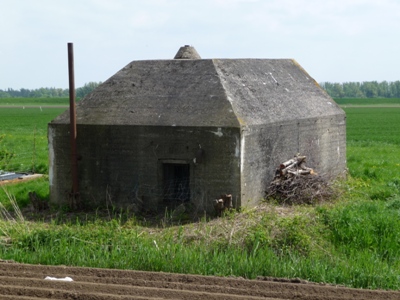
176, 179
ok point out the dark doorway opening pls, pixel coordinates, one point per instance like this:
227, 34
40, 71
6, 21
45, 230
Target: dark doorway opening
176, 179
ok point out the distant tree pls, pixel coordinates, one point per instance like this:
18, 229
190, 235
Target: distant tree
395, 89
366, 89
86, 89
353, 90
328, 87
370, 89
10, 92
24, 93
4, 94
384, 90
338, 90
47, 92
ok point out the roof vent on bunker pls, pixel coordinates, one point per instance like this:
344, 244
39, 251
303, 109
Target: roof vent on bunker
187, 52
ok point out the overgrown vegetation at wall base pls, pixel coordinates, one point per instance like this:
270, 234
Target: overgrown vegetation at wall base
353, 240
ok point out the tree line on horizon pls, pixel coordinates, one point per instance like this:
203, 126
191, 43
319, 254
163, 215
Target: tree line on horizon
366, 89
48, 92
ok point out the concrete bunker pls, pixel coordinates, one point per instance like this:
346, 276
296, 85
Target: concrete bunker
165, 132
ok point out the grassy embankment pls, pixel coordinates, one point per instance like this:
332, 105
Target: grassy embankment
354, 240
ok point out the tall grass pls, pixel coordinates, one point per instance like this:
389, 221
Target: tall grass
20, 192
366, 226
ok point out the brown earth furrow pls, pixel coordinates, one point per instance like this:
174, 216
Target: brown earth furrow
92, 283
207, 284
78, 288
252, 291
11, 297
229, 286
12, 292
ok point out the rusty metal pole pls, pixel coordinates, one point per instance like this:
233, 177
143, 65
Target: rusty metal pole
72, 114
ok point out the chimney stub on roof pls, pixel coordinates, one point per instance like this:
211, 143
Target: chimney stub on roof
187, 52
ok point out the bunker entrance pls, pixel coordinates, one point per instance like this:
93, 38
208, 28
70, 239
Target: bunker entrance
176, 179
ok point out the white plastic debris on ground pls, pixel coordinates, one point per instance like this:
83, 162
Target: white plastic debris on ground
59, 279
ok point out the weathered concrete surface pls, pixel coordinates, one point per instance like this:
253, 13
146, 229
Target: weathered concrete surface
159, 93
123, 165
247, 115
205, 92
264, 147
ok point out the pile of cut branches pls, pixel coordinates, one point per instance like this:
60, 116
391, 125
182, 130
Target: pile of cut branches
294, 183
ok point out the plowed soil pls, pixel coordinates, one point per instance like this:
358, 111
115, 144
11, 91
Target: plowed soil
22, 281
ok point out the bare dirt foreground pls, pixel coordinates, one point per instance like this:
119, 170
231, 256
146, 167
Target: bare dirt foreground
22, 281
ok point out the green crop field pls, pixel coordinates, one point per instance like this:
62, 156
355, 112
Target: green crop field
368, 101
373, 124
24, 132
373, 149
34, 101
352, 240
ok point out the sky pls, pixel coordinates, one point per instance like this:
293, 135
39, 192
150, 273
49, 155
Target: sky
333, 40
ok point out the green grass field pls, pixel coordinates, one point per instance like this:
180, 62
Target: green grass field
373, 148
34, 101
373, 125
368, 101
353, 240
24, 132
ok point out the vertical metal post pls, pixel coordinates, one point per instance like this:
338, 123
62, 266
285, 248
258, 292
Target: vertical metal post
72, 113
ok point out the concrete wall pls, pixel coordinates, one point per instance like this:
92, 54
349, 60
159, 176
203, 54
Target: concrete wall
322, 140
122, 165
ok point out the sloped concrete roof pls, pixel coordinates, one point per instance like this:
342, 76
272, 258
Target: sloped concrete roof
205, 92
272, 90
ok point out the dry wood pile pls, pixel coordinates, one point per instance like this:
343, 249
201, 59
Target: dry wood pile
295, 183
293, 167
